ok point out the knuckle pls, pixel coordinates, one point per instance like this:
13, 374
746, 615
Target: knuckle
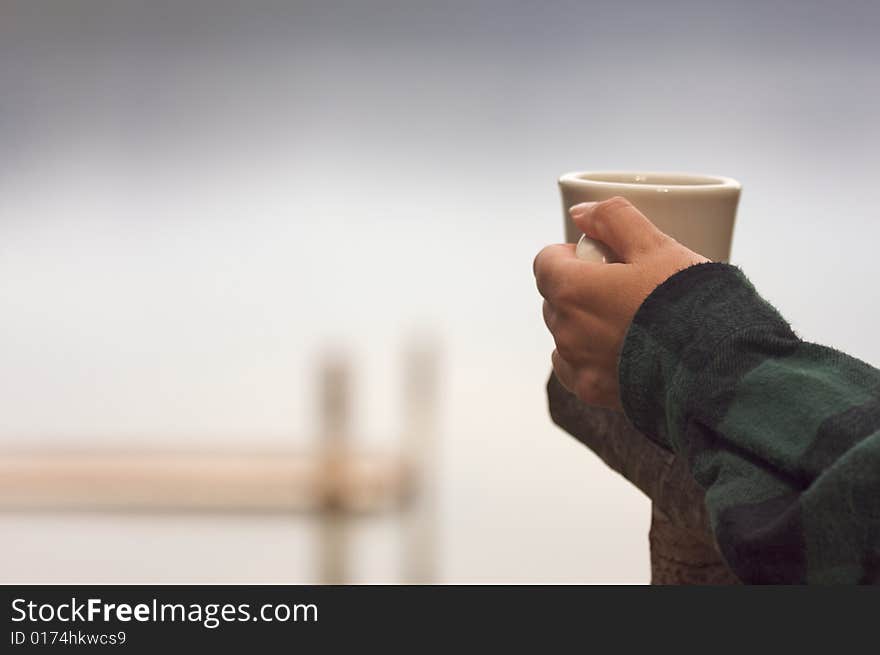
538, 263
566, 293
658, 238
551, 316
539, 258
544, 271
562, 371
652, 240
562, 294
565, 348
607, 208
569, 347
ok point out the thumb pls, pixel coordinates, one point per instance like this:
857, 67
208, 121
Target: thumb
619, 225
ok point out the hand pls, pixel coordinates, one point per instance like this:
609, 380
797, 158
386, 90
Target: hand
588, 307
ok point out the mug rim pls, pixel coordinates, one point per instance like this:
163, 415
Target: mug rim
690, 182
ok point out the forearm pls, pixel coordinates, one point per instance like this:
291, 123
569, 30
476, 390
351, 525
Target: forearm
784, 435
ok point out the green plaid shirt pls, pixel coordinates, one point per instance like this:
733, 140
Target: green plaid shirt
784, 435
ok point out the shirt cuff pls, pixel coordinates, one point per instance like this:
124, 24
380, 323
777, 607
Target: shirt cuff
681, 324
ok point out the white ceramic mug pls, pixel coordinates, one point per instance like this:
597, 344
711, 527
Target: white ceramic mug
696, 210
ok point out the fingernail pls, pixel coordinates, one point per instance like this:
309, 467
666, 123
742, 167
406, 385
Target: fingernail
580, 210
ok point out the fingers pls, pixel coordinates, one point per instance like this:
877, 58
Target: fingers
564, 371
549, 315
552, 267
558, 252
618, 224
560, 274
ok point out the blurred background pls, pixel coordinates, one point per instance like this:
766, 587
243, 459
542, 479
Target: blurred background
200, 200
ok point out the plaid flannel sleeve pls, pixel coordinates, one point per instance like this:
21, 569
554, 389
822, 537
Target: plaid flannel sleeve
784, 435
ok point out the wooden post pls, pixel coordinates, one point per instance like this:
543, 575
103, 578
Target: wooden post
334, 412
419, 449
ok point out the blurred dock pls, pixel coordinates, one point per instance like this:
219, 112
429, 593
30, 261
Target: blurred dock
335, 482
